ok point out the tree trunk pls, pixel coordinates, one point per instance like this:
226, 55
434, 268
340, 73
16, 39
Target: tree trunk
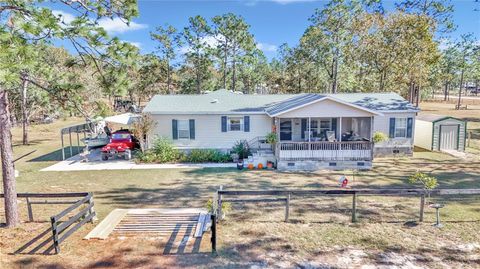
168, 77
335, 73
446, 91
460, 89
24, 112
8, 169
417, 95
233, 74
225, 62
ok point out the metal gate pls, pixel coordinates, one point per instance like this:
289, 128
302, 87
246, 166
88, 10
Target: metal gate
449, 137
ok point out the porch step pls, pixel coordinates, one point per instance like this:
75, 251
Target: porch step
263, 153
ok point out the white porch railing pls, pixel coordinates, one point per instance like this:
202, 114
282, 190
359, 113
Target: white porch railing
325, 151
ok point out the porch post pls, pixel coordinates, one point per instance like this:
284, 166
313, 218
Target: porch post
371, 128
276, 122
309, 138
309, 127
340, 131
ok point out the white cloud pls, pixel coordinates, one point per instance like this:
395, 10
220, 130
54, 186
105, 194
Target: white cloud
118, 26
210, 41
267, 47
112, 26
65, 17
136, 44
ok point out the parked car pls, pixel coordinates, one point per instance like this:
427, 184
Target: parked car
121, 145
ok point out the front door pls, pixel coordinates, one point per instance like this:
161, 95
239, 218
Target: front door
285, 129
448, 137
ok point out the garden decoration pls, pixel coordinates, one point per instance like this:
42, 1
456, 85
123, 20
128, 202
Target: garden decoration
437, 209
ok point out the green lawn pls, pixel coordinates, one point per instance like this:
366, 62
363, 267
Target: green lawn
320, 231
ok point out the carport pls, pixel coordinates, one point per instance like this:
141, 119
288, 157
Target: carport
89, 127
440, 133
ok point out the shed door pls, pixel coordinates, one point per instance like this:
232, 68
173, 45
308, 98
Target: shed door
448, 137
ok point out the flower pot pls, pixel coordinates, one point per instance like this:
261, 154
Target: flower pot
269, 165
240, 164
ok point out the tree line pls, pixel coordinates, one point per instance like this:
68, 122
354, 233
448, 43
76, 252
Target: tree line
349, 46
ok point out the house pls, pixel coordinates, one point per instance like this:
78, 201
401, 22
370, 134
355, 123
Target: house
440, 133
314, 130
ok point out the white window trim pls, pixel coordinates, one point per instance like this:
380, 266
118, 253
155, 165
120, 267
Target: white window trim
187, 129
229, 125
397, 127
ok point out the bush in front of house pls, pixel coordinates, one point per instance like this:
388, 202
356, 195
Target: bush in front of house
379, 137
242, 149
206, 155
164, 151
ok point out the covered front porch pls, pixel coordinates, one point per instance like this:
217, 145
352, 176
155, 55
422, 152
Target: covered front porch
324, 138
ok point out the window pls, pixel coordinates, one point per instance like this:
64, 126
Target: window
324, 126
183, 129
401, 127
235, 123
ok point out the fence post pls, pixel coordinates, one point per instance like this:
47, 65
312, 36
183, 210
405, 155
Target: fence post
422, 207
219, 196
214, 233
30, 211
354, 207
287, 208
91, 211
55, 235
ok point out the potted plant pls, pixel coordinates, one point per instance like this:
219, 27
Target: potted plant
269, 164
242, 149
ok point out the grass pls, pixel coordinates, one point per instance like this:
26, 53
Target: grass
320, 231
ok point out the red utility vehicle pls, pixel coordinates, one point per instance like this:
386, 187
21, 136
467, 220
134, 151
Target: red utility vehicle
122, 143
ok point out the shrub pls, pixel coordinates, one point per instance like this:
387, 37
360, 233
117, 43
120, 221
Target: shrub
164, 151
206, 155
242, 149
271, 138
226, 207
428, 182
379, 137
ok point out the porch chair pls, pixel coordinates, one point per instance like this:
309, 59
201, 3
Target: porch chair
330, 136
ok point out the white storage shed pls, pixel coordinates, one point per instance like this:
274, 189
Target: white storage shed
440, 133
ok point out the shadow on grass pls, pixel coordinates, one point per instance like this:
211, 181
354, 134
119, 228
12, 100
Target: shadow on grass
40, 244
57, 155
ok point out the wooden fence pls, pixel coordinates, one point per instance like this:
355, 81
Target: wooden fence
62, 225
287, 194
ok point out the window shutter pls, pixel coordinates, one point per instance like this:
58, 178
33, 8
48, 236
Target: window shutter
246, 123
409, 127
304, 128
392, 128
174, 130
192, 129
224, 124
334, 126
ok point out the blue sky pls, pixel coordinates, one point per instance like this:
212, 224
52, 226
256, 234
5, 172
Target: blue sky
273, 22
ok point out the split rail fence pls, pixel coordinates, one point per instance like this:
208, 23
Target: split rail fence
62, 224
285, 196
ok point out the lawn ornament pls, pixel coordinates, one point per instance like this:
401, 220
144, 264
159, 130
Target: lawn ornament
437, 208
343, 181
